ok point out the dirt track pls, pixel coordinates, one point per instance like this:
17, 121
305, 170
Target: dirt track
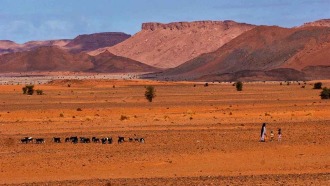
194, 135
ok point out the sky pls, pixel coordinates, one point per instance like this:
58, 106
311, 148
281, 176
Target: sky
26, 20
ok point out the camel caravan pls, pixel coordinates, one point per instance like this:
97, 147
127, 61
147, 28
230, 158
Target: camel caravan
75, 140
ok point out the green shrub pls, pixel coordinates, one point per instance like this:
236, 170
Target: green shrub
318, 85
239, 86
325, 94
150, 93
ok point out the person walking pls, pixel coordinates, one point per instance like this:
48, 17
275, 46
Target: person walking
271, 135
263, 133
279, 135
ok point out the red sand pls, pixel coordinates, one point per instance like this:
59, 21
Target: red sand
194, 135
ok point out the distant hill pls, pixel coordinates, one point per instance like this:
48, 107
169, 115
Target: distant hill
51, 58
7, 46
169, 45
107, 62
89, 42
265, 52
47, 58
82, 43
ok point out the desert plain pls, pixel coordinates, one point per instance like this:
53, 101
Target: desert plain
194, 135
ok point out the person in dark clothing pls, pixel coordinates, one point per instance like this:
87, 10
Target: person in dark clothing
263, 133
279, 135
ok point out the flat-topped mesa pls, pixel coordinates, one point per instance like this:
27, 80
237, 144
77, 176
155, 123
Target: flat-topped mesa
322, 22
185, 25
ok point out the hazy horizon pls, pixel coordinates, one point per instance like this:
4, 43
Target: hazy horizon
23, 20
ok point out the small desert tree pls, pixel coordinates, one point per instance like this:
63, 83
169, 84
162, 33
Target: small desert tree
239, 86
24, 89
150, 93
318, 85
28, 89
325, 94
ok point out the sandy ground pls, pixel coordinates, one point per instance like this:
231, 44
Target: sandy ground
194, 135
38, 78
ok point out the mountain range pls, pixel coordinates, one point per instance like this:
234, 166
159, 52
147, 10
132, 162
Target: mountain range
199, 50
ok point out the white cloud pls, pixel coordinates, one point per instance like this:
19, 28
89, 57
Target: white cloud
57, 25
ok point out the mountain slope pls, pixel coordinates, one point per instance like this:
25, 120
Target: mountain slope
263, 48
169, 45
107, 62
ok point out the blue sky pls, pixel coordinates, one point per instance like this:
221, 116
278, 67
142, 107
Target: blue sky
25, 20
